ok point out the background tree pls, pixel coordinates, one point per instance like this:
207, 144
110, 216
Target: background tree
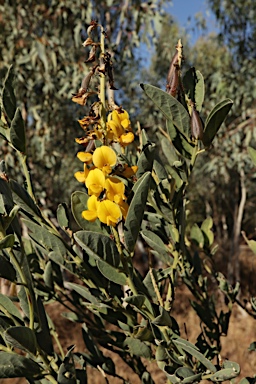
44, 43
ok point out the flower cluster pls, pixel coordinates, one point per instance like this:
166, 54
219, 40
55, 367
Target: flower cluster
101, 173
104, 176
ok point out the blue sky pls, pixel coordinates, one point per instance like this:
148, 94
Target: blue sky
182, 10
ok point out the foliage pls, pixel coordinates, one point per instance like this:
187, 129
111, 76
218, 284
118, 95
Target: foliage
150, 199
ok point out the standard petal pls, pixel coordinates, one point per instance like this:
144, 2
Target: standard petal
104, 156
108, 212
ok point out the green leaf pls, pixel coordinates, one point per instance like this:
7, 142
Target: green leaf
193, 82
67, 372
8, 96
206, 228
137, 347
163, 319
215, 119
179, 140
172, 109
251, 243
43, 335
8, 305
24, 200
146, 159
155, 242
195, 353
197, 236
78, 205
159, 169
6, 269
14, 365
62, 215
7, 242
229, 371
99, 246
6, 201
21, 337
169, 151
17, 132
82, 291
47, 240
136, 211
111, 273
252, 153
199, 91
135, 300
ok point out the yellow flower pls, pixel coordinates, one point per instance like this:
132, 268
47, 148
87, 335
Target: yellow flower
115, 189
82, 175
121, 118
104, 158
85, 157
126, 138
95, 182
119, 127
115, 128
92, 205
108, 212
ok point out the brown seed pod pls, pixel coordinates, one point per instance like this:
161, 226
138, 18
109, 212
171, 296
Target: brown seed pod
172, 68
196, 124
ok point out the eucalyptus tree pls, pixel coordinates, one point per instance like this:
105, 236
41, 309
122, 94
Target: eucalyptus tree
43, 40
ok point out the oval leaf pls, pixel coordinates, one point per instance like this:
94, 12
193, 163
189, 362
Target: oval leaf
14, 365
7, 271
111, 273
171, 108
21, 337
215, 119
62, 215
136, 211
8, 96
7, 242
9, 306
99, 246
17, 132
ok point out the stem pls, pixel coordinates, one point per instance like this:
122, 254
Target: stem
25, 285
159, 298
103, 83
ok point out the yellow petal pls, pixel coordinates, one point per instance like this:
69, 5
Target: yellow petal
95, 182
89, 215
80, 176
126, 124
123, 115
92, 203
108, 212
116, 128
115, 189
126, 138
104, 156
86, 157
